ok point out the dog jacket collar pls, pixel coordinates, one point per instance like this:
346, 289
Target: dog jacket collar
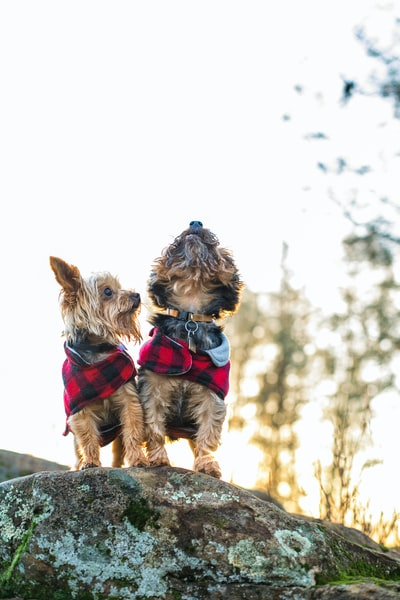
84, 383
183, 315
85, 346
220, 354
166, 356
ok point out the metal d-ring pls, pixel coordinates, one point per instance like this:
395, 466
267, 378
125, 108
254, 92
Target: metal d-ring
191, 327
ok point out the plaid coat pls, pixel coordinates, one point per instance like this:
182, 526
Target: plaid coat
84, 383
167, 356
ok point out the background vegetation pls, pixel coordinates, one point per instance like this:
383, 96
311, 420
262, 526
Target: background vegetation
294, 353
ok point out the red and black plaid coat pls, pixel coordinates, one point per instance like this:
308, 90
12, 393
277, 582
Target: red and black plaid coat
84, 383
167, 356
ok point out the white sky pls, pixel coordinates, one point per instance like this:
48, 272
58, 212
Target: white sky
120, 122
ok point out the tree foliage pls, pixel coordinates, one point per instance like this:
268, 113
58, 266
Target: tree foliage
278, 359
291, 363
276, 336
384, 80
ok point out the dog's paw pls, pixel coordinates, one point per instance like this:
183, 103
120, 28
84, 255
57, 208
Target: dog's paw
137, 461
88, 466
141, 464
159, 463
209, 468
158, 457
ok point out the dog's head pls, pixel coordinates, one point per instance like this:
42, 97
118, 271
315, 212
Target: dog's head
195, 273
96, 307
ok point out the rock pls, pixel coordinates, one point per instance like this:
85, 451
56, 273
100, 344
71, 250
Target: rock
264, 496
169, 533
13, 464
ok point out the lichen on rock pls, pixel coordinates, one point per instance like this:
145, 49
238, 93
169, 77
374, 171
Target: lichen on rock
167, 533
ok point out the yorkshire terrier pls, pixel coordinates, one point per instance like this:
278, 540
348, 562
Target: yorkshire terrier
100, 393
183, 376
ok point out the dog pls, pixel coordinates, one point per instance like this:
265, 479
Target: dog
183, 374
100, 392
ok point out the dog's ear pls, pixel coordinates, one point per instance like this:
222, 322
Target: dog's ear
237, 290
156, 291
68, 276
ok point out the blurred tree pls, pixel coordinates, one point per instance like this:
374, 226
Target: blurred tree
359, 365
246, 331
385, 78
283, 392
271, 333
360, 361
272, 330
275, 347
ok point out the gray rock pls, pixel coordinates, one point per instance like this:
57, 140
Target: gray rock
169, 533
14, 464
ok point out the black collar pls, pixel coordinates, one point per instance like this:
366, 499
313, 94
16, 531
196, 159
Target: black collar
88, 347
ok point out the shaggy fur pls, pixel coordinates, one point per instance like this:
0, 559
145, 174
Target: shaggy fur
98, 315
193, 284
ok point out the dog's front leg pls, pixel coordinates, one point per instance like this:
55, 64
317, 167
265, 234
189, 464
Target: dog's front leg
87, 442
155, 442
208, 436
153, 395
131, 414
205, 461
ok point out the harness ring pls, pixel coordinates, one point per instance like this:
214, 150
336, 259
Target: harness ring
191, 327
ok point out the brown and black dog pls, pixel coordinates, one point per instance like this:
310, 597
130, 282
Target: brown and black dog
184, 367
100, 393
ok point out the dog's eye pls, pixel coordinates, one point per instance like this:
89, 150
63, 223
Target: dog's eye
108, 292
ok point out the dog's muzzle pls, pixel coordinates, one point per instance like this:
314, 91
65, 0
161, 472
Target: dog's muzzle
135, 298
195, 226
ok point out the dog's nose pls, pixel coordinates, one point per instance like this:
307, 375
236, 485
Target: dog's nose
195, 225
135, 297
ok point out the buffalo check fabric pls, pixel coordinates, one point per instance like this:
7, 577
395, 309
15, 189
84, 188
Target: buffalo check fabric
85, 383
166, 356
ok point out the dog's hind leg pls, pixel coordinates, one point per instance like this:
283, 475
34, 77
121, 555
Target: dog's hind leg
117, 450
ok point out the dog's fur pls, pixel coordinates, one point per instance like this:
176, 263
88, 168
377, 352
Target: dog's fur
193, 275
98, 315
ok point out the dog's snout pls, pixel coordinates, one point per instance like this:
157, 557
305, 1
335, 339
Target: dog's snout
135, 297
195, 225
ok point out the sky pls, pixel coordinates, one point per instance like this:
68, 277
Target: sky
121, 122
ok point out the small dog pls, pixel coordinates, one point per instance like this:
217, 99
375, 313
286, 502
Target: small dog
100, 395
184, 368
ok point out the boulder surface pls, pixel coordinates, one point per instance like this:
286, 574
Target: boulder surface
169, 533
